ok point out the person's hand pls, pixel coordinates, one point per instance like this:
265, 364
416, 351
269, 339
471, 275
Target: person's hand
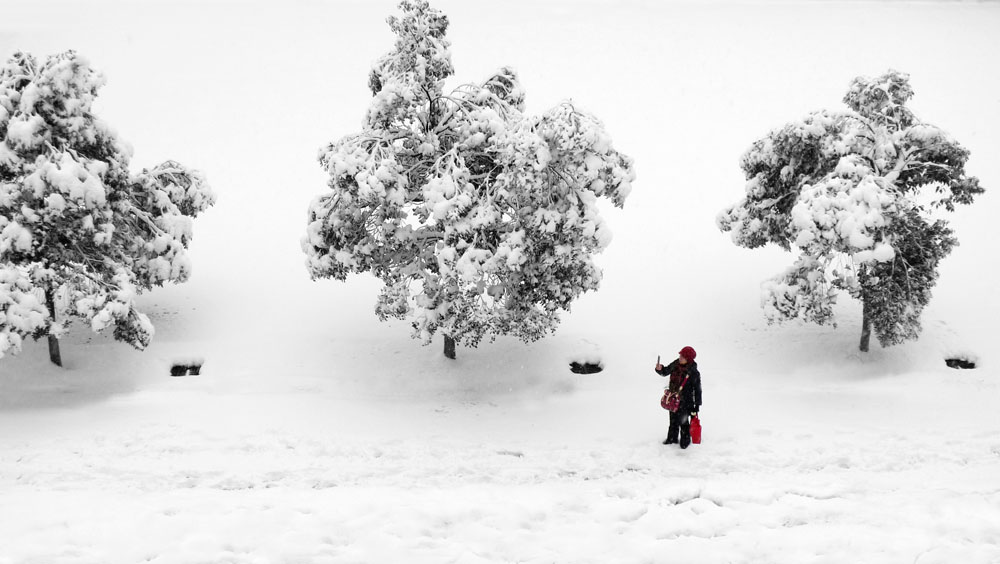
659, 366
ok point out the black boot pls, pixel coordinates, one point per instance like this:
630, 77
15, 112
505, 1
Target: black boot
685, 436
672, 435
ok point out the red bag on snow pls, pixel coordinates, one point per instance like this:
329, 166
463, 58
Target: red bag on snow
695, 430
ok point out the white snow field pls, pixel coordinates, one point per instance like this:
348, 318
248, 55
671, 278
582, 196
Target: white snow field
316, 434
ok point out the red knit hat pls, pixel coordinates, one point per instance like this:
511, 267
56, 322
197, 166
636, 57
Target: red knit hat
688, 353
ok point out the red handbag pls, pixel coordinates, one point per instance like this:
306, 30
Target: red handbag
671, 401
695, 430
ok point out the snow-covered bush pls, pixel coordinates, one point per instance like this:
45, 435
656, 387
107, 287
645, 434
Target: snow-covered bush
854, 192
81, 236
479, 219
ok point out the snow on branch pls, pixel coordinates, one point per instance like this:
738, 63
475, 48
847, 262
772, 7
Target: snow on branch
74, 221
850, 184
480, 220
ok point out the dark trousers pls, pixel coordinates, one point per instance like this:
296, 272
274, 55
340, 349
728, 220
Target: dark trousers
680, 423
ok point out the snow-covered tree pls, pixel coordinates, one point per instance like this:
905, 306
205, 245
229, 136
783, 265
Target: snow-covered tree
855, 192
80, 235
479, 219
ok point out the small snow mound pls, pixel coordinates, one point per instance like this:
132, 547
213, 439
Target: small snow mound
585, 367
586, 358
962, 363
190, 366
959, 357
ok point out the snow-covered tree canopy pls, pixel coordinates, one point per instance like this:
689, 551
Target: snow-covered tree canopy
478, 218
853, 191
78, 229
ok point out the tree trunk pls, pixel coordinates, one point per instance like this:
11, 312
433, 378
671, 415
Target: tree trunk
866, 326
54, 355
449, 347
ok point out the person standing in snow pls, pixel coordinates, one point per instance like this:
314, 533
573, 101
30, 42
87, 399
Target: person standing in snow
686, 380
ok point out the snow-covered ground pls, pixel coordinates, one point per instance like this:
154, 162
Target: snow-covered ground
317, 434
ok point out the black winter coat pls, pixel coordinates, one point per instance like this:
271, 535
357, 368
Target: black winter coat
691, 393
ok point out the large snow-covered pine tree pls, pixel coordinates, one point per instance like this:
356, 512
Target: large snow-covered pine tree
855, 192
479, 219
80, 235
